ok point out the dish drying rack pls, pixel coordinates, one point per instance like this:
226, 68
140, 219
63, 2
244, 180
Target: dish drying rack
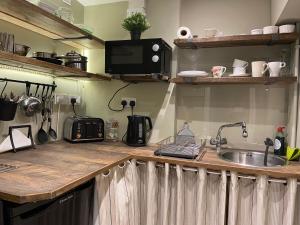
180, 146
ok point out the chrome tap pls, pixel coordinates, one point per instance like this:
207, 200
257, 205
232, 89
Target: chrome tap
269, 143
218, 140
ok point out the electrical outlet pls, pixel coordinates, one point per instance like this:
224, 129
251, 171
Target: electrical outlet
128, 101
61, 99
78, 99
65, 99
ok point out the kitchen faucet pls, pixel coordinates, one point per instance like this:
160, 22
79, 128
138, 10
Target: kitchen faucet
268, 143
218, 140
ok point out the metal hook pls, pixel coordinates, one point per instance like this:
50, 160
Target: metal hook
3, 89
28, 85
37, 89
43, 91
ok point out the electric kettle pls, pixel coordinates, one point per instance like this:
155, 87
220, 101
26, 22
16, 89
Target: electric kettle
138, 130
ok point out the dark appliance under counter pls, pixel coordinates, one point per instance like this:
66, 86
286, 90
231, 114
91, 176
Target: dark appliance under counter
72, 208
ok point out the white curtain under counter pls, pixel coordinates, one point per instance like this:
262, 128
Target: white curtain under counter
147, 194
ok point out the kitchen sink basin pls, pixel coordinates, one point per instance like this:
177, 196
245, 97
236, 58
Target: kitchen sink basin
251, 158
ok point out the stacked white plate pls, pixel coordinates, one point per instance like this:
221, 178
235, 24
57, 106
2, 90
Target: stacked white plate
193, 73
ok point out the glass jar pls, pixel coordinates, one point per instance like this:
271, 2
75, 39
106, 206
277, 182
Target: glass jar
112, 130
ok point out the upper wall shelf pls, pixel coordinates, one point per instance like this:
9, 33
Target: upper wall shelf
237, 40
235, 80
23, 62
32, 17
145, 79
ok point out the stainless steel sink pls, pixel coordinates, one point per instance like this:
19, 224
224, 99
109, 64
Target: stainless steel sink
251, 158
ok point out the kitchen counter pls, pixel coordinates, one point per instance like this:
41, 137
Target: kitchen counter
53, 169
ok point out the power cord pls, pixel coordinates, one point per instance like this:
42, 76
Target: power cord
73, 102
132, 105
123, 103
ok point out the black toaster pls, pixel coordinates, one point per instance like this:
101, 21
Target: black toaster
83, 129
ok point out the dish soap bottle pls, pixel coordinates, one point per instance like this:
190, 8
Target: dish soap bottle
280, 141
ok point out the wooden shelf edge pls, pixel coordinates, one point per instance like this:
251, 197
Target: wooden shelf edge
47, 25
90, 77
14, 60
237, 40
144, 79
234, 80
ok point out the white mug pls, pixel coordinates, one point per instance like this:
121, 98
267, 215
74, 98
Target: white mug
239, 70
270, 30
239, 63
218, 71
274, 68
256, 31
258, 68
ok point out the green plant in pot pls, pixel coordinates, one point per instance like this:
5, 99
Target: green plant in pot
136, 24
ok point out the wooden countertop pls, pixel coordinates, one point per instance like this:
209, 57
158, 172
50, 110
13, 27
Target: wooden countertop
53, 169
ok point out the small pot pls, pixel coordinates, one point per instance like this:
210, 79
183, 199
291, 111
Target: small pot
74, 60
82, 65
45, 55
135, 35
7, 110
21, 50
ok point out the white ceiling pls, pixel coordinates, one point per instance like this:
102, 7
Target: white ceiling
98, 2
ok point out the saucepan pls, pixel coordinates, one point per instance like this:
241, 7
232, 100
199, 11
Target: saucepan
74, 60
29, 104
21, 50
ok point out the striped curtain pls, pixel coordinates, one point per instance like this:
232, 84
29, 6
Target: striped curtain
260, 202
149, 195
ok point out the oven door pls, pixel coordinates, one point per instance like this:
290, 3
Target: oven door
130, 57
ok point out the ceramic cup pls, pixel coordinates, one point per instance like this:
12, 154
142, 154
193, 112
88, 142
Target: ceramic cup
239, 70
288, 28
258, 68
274, 68
239, 63
218, 71
270, 30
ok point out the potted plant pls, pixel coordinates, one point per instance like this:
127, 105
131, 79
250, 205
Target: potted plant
136, 24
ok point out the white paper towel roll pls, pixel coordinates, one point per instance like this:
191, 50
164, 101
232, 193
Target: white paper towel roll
184, 33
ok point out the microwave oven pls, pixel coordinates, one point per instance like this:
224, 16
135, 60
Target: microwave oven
143, 57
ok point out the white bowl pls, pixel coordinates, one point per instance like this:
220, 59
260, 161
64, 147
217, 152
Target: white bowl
270, 30
210, 32
256, 31
288, 28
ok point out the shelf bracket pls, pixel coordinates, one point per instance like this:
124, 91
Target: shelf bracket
74, 38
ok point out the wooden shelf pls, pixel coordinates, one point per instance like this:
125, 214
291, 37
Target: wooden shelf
235, 80
237, 40
41, 66
32, 17
147, 79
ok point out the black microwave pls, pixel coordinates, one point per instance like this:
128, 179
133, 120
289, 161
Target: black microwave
145, 56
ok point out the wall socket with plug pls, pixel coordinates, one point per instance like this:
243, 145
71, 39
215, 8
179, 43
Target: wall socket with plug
65, 99
128, 101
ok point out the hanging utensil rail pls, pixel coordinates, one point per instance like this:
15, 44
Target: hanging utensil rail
53, 85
